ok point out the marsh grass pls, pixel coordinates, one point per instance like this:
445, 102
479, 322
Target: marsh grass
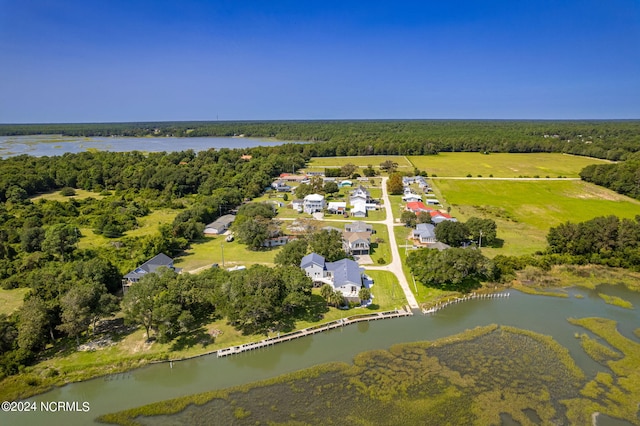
597, 351
471, 378
614, 395
616, 301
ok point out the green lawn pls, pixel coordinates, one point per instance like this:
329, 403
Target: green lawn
503, 164
318, 163
386, 291
381, 250
11, 300
211, 249
525, 210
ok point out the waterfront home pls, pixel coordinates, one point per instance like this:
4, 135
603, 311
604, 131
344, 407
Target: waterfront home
344, 275
150, 266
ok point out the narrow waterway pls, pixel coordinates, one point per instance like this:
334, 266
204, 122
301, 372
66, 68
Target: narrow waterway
546, 315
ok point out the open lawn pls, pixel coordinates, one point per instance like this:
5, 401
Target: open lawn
56, 196
147, 225
11, 300
210, 250
319, 163
525, 210
502, 164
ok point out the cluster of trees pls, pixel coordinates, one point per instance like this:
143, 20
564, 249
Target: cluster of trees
606, 240
326, 243
621, 177
254, 300
454, 269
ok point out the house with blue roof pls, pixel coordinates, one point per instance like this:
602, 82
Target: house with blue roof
150, 266
344, 275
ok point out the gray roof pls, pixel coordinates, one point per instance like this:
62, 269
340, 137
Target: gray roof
424, 230
345, 271
311, 259
151, 265
358, 226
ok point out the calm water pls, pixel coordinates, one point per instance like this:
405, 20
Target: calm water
545, 315
49, 145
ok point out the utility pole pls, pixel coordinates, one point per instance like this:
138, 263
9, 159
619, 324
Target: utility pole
480, 241
222, 250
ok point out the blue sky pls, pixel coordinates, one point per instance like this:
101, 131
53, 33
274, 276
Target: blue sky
154, 60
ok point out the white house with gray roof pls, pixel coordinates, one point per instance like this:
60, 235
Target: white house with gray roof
343, 275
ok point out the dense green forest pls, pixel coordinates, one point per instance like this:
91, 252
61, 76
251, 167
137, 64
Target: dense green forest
611, 140
623, 177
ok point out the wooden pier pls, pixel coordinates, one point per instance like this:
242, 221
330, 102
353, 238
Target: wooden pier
443, 305
406, 311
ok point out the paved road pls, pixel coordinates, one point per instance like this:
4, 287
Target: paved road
395, 266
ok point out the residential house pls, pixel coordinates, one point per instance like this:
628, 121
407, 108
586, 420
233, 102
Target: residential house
220, 225
417, 207
150, 266
411, 197
344, 275
356, 243
425, 233
359, 194
288, 177
439, 217
313, 203
277, 241
337, 207
297, 205
281, 186
359, 209
359, 226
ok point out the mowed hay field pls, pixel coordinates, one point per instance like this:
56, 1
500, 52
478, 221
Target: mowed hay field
319, 163
503, 164
525, 210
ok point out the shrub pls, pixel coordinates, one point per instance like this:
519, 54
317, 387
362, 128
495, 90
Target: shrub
67, 192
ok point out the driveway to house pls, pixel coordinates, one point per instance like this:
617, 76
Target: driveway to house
395, 266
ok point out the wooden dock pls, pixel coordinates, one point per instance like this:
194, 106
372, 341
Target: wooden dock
406, 311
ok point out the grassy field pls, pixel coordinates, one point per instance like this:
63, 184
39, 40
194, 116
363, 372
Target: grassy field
502, 165
211, 249
11, 300
56, 196
318, 163
525, 210
147, 225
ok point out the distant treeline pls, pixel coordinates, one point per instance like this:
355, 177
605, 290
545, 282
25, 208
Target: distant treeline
612, 140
